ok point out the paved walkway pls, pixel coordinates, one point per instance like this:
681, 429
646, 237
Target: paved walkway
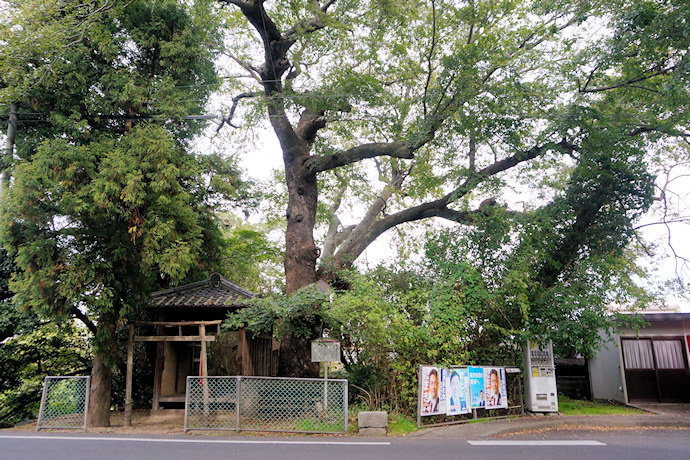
658, 415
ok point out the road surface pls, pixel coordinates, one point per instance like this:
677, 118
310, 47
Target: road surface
634, 444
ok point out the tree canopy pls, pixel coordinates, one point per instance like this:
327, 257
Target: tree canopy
545, 111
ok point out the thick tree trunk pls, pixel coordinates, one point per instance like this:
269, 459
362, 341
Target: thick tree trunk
99, 399
295, 358
301, 254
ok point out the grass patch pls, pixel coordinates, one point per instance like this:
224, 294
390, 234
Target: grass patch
399, 425
567, 406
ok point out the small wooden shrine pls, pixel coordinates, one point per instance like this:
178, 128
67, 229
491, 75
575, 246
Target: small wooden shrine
189, 318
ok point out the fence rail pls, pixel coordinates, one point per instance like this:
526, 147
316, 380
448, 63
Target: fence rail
266, 404
64, 403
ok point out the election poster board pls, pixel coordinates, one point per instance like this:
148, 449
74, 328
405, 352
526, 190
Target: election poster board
433, 391
495, 391
477, 387
457, 393
458, 390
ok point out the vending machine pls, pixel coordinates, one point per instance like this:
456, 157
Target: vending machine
540, 378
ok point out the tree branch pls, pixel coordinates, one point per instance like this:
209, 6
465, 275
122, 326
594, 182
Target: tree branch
276, 46
309, 124
249, 68
629, 82
312, 24
235, 101
429, 57
325, 163
370, 229
84, 319
254, 11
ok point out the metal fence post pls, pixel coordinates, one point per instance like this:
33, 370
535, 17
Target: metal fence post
419, 397
87, 398
325, 385
238, 405
346, 405
188, 388
522, 399
43, 403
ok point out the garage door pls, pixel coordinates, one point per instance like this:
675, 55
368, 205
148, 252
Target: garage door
656, 370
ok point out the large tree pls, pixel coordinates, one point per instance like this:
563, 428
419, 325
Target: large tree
458, 107
106, 202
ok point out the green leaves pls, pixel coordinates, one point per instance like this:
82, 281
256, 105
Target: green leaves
297, 314
25, 360
86, 68
105, 206
250, 258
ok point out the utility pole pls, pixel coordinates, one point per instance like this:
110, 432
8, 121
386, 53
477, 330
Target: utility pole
9, 149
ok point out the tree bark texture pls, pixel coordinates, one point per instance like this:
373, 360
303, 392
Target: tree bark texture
301, 251
99, 399
301, 255
295, 358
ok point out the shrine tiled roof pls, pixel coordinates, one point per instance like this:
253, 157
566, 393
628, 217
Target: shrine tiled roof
215, 292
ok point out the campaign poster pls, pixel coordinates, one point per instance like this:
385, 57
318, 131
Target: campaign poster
495, 388
457, 391
432, 404
477, 387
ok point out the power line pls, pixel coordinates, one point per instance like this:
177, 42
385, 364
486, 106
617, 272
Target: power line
127, 117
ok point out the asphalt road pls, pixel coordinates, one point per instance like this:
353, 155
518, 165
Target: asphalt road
642, 444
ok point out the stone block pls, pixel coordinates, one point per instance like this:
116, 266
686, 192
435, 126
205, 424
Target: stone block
372, 432
372, 419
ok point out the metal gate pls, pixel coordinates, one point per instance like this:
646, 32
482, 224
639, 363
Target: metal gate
656, 370
64, 403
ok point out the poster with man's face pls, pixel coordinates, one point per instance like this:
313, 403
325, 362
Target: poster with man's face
457, 382
433, 391
495, 388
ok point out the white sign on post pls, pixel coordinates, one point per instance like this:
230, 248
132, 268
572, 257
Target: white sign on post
325, 351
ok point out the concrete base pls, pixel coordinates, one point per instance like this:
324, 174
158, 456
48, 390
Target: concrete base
372, 423
372, 432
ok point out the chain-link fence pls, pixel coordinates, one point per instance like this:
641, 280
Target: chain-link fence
266, 404
65, 403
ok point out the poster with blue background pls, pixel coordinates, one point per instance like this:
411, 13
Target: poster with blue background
477, 386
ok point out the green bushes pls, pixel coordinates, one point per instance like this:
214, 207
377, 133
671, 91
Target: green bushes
389, 322
27, 359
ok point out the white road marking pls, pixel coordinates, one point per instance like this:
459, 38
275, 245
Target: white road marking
198, 441
537, 443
